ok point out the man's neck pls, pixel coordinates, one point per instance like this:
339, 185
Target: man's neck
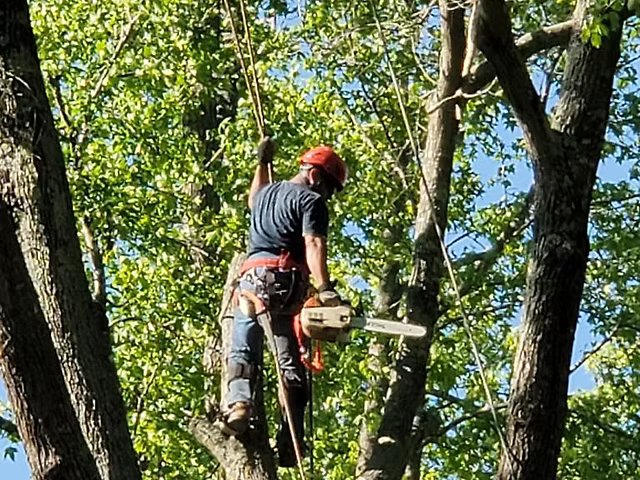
301, 179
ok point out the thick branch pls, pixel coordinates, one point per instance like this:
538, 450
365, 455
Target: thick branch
210, 437
496, 41
242, 458
565, 173
529, 44
390, 453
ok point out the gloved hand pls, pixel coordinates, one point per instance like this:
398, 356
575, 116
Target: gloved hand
266, 150
329, 298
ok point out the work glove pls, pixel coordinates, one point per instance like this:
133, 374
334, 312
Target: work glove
329, 298
266, 150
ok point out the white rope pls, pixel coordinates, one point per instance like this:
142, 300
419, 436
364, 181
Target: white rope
443, 247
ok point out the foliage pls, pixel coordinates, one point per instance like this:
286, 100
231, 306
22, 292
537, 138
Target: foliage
8, 432
159, 139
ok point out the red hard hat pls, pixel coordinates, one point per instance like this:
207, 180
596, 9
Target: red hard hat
329, 161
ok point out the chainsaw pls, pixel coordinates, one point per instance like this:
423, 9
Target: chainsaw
334, 324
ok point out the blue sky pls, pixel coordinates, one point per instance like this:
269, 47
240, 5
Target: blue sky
12, 470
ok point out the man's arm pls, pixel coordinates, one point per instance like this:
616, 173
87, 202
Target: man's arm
316, 256
260, 178
266, 150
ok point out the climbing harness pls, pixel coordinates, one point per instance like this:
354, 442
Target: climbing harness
443, 247
252, 87
282, 262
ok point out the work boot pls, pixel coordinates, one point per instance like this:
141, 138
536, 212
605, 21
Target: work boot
237, 419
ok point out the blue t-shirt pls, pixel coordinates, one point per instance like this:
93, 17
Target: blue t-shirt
282, 212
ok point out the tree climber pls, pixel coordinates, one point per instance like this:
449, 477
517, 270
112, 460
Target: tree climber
287, 242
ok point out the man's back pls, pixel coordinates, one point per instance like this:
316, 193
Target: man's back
282, 213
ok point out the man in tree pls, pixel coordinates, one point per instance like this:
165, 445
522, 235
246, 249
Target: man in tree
287, 242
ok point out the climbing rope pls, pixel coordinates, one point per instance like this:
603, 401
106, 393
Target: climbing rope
256, 102
263, 316
253, 87
443, 247
256, 84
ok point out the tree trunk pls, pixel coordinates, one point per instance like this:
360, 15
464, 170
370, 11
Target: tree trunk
387, 298
37, 205
390, 453
48, 427
565, 156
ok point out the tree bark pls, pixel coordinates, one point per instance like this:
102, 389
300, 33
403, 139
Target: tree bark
390, 453
565, 155
387, 298
47, 424
37, 203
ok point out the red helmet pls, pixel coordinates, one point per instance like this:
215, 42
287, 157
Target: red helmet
329, 161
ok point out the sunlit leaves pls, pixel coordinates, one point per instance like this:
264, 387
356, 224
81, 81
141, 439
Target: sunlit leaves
160, 140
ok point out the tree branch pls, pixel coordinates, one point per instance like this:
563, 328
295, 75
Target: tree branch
548, 81
374, 107
211, 437
105, 75
479, 78
478, 313
607, 202
595, 349
57, 94
397, 168
607, 428
496, 41
247, 456
468, 416
488, 256
529, 44
97, 264
445, 396
141, 399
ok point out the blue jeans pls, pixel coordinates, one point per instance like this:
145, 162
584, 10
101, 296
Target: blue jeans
283, 293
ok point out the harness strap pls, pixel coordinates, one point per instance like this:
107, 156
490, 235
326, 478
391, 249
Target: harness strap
282, 262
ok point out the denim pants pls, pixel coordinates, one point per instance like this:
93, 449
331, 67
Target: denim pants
283, 292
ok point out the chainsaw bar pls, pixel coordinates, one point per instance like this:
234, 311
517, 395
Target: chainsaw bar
333, 324
387, 327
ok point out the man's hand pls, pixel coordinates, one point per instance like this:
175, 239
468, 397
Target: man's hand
329, 298
266, 150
